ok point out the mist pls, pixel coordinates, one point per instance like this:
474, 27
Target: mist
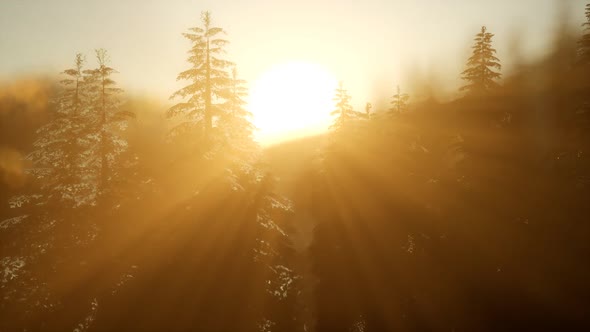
448, 188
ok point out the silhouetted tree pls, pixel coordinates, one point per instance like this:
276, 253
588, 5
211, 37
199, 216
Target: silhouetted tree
75, 161
57, 159
343, 111
105, 121
84, 140
210, 81
399, 102
234, 120
480, 74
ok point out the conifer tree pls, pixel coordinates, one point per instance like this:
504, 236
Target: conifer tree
399, 102
584, 42
480, 74
57, 155
71, 154
104, 122
343, 110
234, 119
210, 81
213, 110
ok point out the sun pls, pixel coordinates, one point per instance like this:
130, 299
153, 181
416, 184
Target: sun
290, 100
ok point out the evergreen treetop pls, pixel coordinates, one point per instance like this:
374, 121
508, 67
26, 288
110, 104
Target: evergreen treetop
480, 74
210, 80
399, 102
57, 150
343, 110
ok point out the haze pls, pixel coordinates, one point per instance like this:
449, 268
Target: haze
386, 40
327, 166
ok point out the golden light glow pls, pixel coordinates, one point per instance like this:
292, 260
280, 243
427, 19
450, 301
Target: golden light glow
291, 99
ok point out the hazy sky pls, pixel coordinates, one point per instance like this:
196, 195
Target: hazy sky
366, 43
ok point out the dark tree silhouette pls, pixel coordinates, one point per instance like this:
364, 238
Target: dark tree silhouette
75, 164
234, 125
399, 102
57, 161
343, 111
104, 121
76, 153
210, 81
480, 74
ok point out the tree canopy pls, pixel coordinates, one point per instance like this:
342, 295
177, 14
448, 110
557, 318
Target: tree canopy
480, 74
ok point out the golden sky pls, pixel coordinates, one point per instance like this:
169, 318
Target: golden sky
370, 44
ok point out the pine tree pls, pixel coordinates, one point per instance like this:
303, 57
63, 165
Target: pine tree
234, 120
69, 160
213, 110
104, 123
210, 81
57, 155
399, 102
479, 74
584, 42
343, 110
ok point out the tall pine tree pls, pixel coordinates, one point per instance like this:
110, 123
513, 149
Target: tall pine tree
104, 121
235, 127
399, 102
480, 74
72, 155
210, 81
213, 112
57, 161
343, 111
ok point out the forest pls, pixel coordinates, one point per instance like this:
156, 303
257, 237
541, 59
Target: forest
121, 213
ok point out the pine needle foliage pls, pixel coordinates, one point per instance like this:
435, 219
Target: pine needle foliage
480, 73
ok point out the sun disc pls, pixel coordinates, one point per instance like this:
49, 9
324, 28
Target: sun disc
292, 99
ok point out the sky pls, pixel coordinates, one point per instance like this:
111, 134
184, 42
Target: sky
370, 44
